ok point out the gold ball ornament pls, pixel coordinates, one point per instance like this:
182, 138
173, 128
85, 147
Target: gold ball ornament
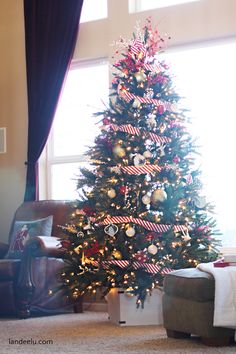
159, 195
118, 151
111, 193
140, 76
117, 254
130, 231
152, 249
146, 199
147, 154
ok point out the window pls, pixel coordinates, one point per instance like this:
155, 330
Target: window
206, 77
85, 92
144, 5
93, 10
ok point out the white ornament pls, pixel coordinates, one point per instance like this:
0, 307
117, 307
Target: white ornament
151, 120
152, 249
159, 195
111, 193
200, 202
146, 199
130, 232
116, 169
139, 160
111, 229
161, 148
136, 103
147, 154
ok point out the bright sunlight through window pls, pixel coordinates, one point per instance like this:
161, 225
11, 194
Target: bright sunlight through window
74, 128
206, 77
144, 5
93, 10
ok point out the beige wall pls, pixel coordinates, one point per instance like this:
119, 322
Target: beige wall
13, 110
189, 23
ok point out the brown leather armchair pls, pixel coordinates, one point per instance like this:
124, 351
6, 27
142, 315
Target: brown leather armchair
29, 285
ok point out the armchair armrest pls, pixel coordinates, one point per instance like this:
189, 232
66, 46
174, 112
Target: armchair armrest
45, 246
3, 249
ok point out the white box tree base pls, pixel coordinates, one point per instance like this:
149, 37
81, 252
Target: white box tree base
123, 311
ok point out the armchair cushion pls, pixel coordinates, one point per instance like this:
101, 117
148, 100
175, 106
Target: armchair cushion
9, 269
24, 230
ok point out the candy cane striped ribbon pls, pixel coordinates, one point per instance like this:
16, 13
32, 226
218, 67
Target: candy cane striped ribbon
151, 268
138, 47
140, 170
154, 67
128, 128
146, 224
130, 96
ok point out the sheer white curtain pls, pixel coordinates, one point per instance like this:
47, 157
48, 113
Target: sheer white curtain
206, 77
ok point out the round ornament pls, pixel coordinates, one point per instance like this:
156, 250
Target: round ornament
161, 109
111, 193
117, 254
118, 151
158, 195
130, 231
200, 202
123, 189
106, 121
140, 76
152, 249
146, 199
136, 103
139, 160
147, 154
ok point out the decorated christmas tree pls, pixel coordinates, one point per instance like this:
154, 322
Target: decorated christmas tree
140, 211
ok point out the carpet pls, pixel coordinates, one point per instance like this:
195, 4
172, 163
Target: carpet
91, 332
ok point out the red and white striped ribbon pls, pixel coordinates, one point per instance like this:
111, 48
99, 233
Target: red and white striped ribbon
128, 128
151, 268
138, 47
154, 67
151, 226
130, 96
140, 170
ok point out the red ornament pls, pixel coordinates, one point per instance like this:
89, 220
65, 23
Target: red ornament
93, 250
106, 121
122, 189
151, 236
161, 109
141, 256
176, 159
65, 244
89, 211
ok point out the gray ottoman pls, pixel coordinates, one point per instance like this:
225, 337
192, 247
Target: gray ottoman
188, 307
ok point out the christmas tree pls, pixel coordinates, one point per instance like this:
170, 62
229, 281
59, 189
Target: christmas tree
140, 211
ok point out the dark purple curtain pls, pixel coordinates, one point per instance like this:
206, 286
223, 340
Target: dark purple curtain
51, 28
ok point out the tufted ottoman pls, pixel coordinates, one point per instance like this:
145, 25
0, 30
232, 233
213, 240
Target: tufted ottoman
188, 307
